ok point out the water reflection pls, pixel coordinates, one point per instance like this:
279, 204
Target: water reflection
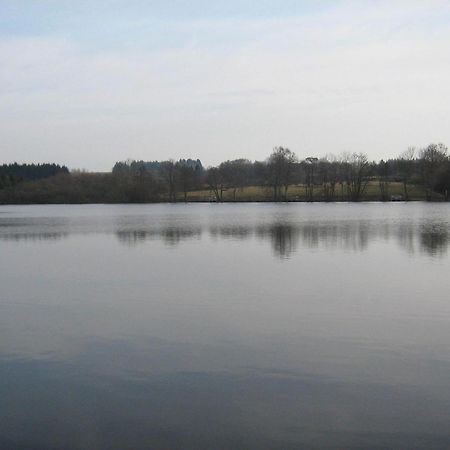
33, 237
170, 235
231, 231
177, 327
286, 232
434, 239
286, 238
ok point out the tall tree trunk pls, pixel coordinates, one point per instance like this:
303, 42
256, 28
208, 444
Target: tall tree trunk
405, 189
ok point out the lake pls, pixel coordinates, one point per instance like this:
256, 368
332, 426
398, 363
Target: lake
234, 326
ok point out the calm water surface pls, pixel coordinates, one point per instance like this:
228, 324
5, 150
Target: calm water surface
313, 326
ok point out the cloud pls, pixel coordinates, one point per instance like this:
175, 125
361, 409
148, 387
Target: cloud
368, 76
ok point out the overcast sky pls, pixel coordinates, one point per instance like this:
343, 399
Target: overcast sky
88, 83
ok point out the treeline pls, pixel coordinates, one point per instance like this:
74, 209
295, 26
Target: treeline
282, 176
11, 174
331, 178
77, 188
163, 176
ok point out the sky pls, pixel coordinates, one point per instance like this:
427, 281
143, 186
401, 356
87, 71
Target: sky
89, 83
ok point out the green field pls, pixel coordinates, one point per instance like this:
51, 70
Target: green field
298, 193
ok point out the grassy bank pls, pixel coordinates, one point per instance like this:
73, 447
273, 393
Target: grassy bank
298, 193
106, 188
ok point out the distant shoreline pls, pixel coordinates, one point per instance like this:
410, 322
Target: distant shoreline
107, 189
228, 202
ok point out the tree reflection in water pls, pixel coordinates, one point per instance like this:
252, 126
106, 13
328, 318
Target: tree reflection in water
286, 238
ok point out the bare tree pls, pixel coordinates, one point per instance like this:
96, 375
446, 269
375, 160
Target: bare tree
383, 180
432, 159
310, 163
236, 174
357, 171
281, 164
216, 182
168, 173
185, 178
406, 168
327, 176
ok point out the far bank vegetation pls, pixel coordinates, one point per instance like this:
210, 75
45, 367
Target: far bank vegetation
416, 174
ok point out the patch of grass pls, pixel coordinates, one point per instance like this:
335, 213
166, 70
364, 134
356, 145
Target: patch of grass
297, 192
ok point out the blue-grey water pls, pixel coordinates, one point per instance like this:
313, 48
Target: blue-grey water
246, 326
